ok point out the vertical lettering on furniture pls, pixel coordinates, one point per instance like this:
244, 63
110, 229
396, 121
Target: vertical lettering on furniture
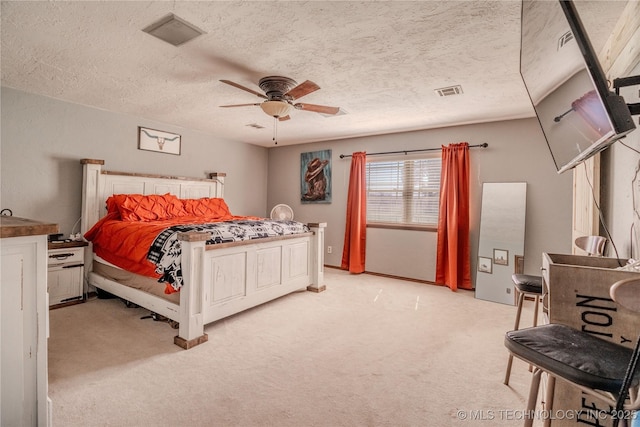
591, 412
594, 314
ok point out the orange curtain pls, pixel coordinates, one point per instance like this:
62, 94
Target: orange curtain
355, 235
453, 263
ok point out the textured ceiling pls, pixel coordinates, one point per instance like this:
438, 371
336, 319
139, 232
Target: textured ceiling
380, 62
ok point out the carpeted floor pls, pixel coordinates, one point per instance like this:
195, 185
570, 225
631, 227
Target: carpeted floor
369, 351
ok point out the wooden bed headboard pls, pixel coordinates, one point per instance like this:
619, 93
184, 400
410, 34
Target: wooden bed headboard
98, 184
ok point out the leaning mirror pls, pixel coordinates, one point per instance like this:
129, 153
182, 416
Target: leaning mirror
501, 241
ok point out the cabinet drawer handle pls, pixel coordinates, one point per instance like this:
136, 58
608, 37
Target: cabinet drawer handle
73, 266
60, 256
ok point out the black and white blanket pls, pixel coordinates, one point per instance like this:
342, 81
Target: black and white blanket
165, 250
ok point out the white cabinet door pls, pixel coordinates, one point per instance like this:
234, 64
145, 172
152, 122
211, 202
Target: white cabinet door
19, 337
23, 364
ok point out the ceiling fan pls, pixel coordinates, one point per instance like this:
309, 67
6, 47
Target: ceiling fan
279, 94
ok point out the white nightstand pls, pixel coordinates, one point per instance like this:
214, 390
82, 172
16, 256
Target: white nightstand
65, 272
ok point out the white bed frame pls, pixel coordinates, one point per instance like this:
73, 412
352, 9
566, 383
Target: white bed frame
219, 280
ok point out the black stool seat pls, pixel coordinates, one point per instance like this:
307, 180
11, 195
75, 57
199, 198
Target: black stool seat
578, 357
527, 283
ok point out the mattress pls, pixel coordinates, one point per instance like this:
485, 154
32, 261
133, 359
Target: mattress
136, 281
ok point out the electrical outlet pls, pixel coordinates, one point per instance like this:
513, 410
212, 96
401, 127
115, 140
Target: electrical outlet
508, 290
329, 249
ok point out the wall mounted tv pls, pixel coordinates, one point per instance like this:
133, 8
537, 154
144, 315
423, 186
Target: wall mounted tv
578, 113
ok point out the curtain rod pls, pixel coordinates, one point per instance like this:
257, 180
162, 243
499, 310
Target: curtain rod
342, 156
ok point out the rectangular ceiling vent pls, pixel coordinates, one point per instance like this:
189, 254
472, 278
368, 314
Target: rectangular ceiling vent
564, 39
173, 30
450, 90
255, 125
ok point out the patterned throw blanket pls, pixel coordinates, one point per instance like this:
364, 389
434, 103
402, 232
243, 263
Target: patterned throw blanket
165, 250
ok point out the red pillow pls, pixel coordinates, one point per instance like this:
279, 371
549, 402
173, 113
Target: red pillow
207, 207
114, 202
152, 207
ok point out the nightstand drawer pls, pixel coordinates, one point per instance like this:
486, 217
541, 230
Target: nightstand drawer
66, 256
65, 283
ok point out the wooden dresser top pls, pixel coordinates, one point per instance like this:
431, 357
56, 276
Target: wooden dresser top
11, 226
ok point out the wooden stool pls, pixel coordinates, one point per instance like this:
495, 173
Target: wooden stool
525, 285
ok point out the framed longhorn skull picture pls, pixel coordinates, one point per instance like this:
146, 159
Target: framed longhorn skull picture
159, 141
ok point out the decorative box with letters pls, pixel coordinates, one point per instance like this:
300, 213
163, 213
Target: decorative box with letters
578, 296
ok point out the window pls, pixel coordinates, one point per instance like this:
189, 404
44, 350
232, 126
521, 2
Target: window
405, 192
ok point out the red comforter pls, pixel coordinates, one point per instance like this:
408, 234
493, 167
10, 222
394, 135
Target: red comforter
124, 235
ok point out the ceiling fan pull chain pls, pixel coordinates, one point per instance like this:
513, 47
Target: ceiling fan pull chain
275, 130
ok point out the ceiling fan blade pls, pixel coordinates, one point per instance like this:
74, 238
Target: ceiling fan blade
324, 109
303, 89
240, 105
229, 82
282, 119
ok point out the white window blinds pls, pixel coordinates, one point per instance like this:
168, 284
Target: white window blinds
404, 192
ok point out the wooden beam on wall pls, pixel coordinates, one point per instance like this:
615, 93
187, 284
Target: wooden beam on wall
621, 52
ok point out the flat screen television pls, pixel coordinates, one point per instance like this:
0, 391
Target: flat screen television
578, 113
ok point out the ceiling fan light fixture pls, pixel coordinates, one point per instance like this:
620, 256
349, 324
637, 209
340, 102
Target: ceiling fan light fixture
276, 108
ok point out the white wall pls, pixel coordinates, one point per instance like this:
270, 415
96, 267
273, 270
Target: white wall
43, 140
517, 153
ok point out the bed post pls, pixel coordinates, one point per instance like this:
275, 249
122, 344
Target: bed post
219, 178
317, 257
91, 170
90, 210
191, 329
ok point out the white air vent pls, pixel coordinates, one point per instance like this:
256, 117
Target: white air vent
564, 39
450, 91
173, 30
255, 125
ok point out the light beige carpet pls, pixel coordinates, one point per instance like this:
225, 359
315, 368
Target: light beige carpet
369, 351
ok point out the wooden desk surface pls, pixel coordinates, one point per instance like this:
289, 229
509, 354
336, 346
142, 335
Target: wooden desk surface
11, 226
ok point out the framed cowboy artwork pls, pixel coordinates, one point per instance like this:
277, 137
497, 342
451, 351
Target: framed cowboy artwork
315, 177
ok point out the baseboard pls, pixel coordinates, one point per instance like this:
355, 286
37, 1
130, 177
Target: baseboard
390, 276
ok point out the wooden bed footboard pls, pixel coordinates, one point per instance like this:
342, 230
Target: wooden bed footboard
218, 281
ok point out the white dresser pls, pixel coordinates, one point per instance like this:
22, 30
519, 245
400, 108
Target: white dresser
24, 322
